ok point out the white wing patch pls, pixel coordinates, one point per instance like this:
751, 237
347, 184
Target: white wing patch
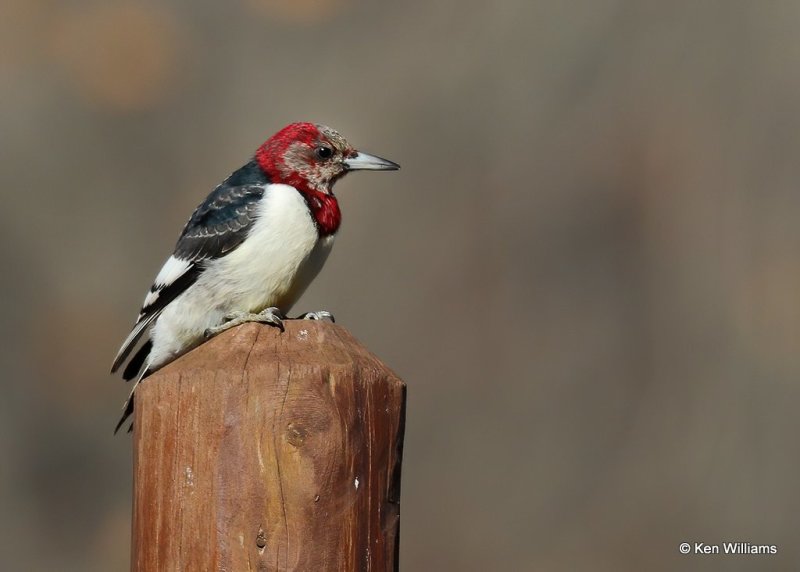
150, 299
173, 269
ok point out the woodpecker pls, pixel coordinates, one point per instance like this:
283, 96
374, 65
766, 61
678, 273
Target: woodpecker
249, 251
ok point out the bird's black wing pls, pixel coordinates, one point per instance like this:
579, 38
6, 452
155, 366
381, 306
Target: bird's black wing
216, 227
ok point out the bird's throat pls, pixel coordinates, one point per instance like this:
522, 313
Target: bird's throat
324, 209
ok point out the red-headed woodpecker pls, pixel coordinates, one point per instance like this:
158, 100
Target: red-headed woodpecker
249, 250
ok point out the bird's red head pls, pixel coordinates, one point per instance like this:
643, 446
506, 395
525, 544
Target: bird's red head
311, 158
306, 156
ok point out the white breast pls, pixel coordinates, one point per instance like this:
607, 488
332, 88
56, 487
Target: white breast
272, 267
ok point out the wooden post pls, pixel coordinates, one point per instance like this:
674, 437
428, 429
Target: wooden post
263, 450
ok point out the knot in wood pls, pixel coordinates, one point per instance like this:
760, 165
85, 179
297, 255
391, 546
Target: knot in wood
261, 539
296, 434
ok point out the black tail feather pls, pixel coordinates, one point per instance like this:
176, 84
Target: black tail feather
132, 370
137, 361
128, 407
127, 413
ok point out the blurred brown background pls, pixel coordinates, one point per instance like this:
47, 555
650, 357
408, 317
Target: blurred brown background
587, 270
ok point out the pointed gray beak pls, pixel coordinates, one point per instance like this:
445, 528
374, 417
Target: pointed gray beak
366, 162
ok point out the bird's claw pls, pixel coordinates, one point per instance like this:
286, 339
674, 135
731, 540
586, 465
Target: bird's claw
318, 315
272, 316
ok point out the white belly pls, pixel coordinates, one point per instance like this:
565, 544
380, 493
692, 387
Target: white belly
272, 267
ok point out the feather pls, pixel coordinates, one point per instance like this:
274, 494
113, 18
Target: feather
137, 361
127, 407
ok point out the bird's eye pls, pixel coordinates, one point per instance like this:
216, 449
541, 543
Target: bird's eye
324, 152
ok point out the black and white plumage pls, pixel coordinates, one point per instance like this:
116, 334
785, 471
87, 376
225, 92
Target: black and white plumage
257, 241
216, 227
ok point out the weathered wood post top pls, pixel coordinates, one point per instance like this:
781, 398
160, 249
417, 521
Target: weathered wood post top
262, 450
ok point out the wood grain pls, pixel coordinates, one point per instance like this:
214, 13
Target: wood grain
263, 450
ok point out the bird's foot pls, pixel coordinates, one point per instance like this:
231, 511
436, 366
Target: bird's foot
271, 316
318, 315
